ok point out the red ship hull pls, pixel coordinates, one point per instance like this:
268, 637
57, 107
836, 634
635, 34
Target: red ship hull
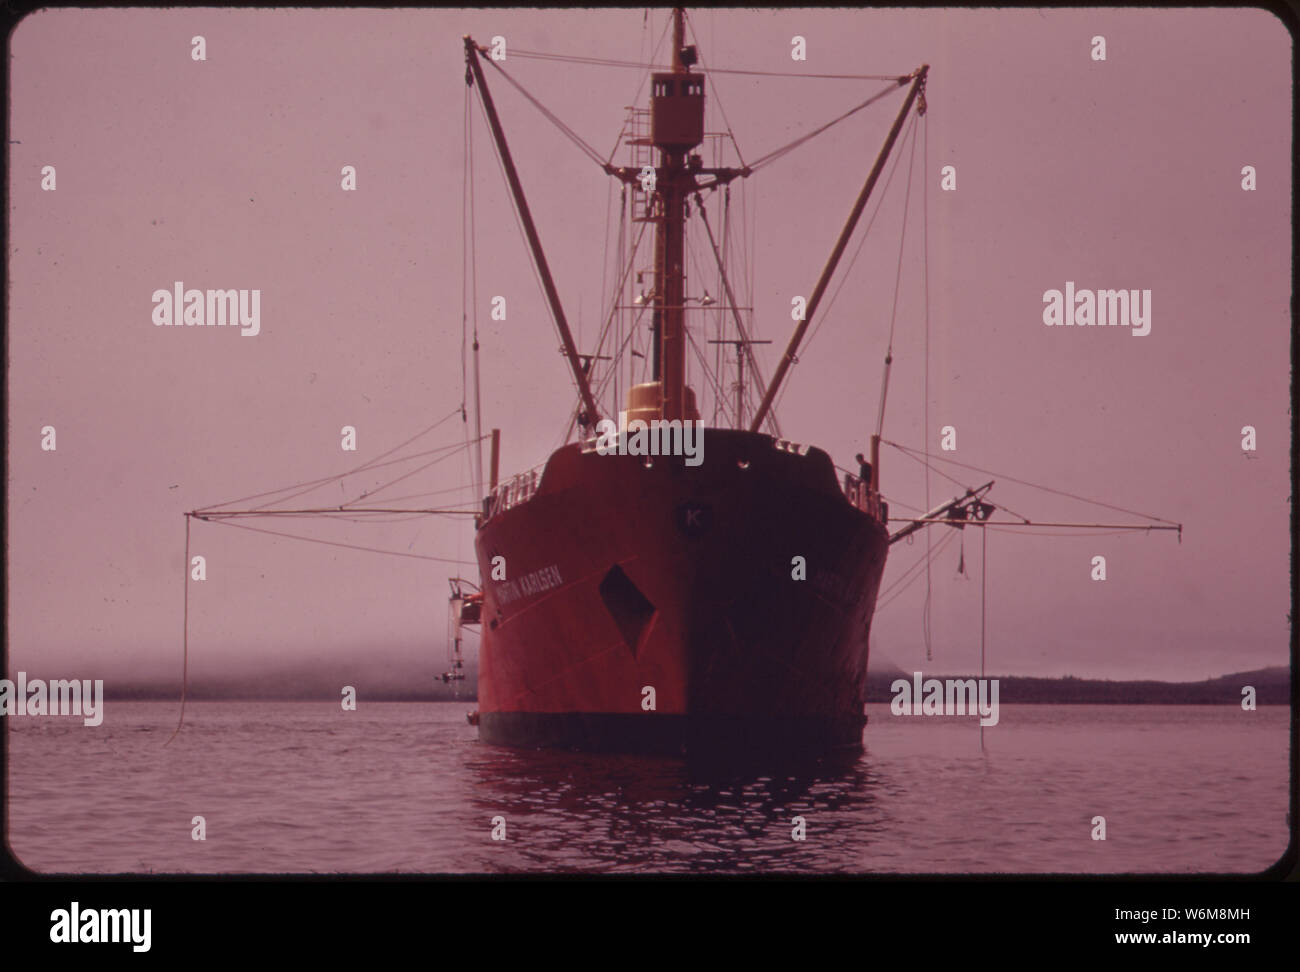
652, 606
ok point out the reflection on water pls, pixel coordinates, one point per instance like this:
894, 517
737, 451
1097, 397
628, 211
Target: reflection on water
622, 813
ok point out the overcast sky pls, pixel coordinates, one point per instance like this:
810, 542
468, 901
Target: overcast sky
226, 173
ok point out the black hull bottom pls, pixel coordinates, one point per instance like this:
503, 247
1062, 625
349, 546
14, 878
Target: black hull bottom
655, 734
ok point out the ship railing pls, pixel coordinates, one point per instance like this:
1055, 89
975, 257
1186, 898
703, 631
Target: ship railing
864, 498
512, 492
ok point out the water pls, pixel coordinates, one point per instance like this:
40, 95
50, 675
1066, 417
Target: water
308, 788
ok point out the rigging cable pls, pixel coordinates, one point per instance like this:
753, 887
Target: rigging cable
708, 74
984, 573
433, 492
464, 257
598, 391
910, 573
1022, 530
898, 279
604, 258
379, 489
551, 117
315, 484
952, 479
617, 313
824, 313
708, 373
746, 345
896, 589
925, 407
514, 209
611, 374
866, 232
329, 479
335, 543
897, 78
721, 329
622, 349
785, 149
652, 66
473, 243
185, 637
613, 310
372, 465
640, 84
1023, 482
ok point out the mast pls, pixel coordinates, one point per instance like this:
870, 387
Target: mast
676, 127
530, 231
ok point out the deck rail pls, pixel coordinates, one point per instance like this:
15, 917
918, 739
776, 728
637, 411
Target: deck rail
510, 493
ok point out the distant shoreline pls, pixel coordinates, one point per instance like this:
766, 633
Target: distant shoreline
1272, 687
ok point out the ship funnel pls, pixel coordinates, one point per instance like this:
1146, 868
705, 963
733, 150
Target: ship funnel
646, 401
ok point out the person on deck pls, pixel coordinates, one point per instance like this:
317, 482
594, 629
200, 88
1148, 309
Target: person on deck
864, 469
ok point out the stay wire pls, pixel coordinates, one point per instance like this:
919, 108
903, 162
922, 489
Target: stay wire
717, 95
550, 116
370, 493
335, 543
1024, 482
785, 149
898, 280
925, 407
514, 209
185, 637
653, 66
330, 479
824, 312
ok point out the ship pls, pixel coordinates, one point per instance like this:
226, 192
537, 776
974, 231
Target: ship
660, 584
633, 600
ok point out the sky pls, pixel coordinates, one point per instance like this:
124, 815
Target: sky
227, 173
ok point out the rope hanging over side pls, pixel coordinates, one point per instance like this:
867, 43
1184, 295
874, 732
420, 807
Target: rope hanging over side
185, 638
984, 574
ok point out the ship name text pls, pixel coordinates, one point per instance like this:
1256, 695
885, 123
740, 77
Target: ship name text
538, 582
